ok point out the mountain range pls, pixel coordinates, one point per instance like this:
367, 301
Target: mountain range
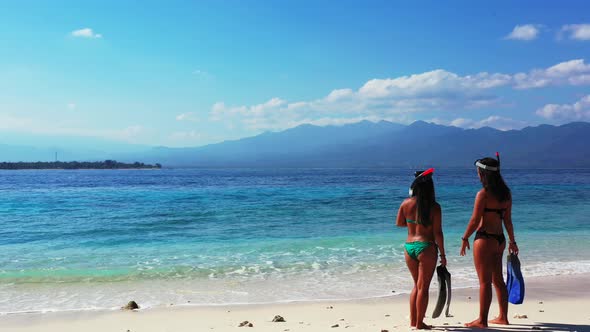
386, 144
364, 144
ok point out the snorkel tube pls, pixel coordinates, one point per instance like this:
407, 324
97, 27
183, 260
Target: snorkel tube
479, 164
420, 178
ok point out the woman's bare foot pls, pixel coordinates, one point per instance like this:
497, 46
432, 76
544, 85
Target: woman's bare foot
477, 323
499, 321
422, 326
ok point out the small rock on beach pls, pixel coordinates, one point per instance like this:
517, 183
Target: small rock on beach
132, 305
278, 319
517, 316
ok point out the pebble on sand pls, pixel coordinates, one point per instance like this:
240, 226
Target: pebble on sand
278, 319
384, 330
246, 323
132, 305
335, 325
517, 316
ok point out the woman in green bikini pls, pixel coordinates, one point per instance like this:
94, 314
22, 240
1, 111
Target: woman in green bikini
492, 208
421, 214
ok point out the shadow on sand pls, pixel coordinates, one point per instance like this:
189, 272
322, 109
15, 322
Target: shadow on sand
557, 327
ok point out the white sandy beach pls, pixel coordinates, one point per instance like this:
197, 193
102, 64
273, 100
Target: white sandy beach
551, 304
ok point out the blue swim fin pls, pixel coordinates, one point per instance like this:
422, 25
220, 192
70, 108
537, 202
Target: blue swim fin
514, 280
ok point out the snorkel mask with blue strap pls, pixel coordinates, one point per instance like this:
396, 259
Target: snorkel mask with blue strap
421, 177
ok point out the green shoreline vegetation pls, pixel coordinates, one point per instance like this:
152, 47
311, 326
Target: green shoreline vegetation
107, 164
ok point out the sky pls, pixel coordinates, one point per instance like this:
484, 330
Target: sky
191, 73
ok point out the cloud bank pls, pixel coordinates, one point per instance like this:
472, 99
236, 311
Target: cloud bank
399, 98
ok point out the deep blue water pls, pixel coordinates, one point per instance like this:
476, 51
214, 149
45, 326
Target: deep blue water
93, 239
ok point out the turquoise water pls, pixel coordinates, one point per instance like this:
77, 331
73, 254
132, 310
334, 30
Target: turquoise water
96, 239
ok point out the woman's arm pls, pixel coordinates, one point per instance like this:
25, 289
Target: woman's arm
401, 218
512, 247
438, 234
478, 208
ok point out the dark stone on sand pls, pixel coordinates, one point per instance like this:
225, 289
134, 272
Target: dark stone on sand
335, 325
244, 323
517, 316
535, 328
388, 315
132, 305
278, 319
329, 307
383, 330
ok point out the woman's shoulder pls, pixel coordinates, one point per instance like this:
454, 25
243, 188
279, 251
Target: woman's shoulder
483, 193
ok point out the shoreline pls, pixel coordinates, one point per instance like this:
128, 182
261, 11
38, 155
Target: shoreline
549, 300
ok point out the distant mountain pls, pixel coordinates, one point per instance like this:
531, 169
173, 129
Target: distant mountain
386, 144
362, 144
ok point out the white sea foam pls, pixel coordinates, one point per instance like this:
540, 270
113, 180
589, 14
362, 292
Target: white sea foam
323, 283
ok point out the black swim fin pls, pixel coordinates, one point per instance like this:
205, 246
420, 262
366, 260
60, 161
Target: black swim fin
444, 291
449, 292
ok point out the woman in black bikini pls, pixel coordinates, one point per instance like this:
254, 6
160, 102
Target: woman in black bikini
493, 207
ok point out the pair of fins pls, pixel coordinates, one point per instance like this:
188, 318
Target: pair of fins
444, 291
514, 280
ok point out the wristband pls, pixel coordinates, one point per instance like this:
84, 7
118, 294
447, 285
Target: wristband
465, 239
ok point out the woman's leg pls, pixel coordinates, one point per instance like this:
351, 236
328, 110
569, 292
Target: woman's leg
425, 272
484, 254
500, 286
413, 267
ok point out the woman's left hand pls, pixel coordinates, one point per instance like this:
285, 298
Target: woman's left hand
513, 248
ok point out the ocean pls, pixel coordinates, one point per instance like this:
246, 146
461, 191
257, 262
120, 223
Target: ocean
95, 239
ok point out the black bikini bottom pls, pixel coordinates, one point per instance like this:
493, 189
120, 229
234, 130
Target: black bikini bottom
484, 235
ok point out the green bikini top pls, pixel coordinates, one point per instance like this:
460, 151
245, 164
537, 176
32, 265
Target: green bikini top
411, 221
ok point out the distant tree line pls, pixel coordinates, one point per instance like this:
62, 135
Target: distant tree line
107, 164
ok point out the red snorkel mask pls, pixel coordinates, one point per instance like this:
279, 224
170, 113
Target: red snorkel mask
421, 177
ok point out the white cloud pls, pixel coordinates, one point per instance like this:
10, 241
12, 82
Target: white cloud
577, 31
524, 32
573, 72
190, 136
399, 97
579, 111
494, 121
85, 33
22, 124
189, 116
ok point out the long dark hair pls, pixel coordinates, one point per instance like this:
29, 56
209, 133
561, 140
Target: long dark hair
425, 199
492, 181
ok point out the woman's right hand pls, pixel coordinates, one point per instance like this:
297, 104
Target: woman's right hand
443, 260
464, 245
513, 248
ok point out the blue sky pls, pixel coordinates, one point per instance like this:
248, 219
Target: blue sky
189, 73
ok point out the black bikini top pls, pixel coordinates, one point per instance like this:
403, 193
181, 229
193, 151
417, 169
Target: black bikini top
500, 212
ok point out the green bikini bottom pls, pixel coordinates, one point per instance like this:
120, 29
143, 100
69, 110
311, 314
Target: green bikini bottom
414, 249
